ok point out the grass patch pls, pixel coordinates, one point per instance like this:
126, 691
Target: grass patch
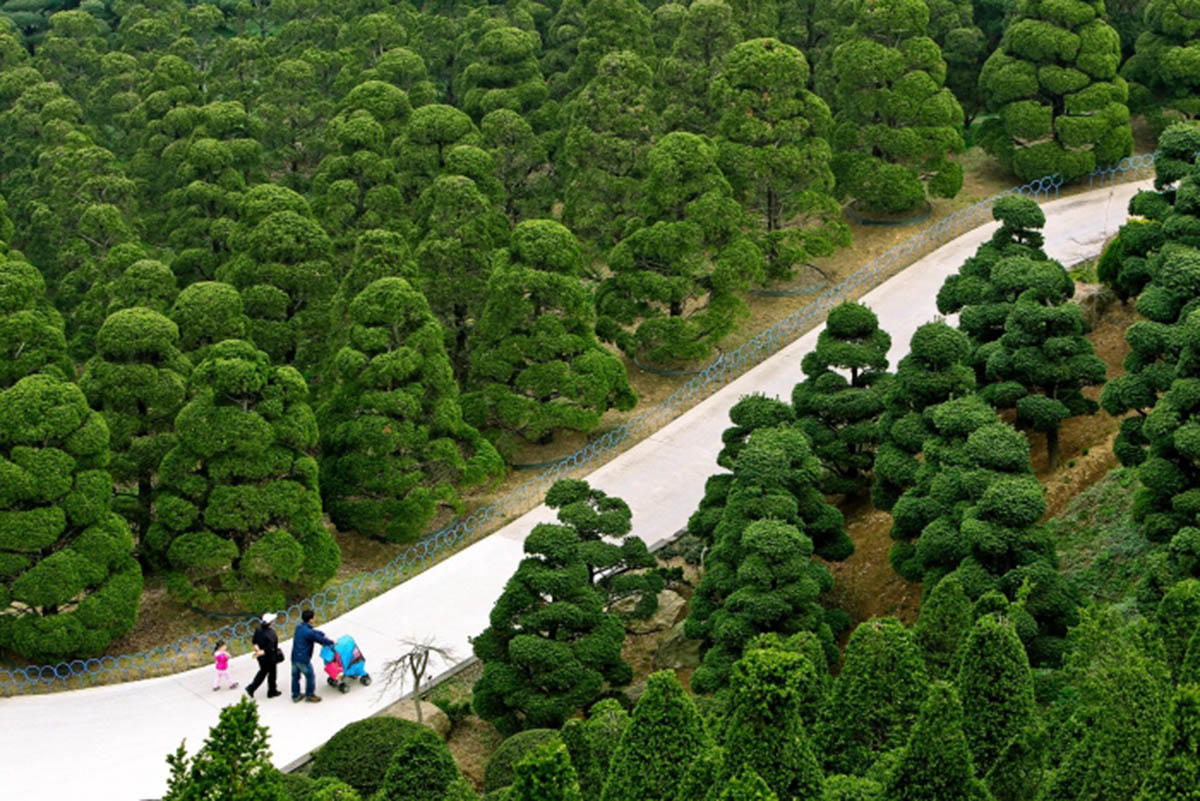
1102, 553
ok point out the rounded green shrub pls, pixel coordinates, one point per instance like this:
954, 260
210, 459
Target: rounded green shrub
501, 765
359, 754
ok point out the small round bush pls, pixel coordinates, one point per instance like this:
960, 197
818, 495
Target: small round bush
499, 770
360, 753
297, 786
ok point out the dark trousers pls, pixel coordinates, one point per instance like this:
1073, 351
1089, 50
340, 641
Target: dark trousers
266, 670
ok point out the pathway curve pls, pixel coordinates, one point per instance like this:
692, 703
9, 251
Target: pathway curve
111, 742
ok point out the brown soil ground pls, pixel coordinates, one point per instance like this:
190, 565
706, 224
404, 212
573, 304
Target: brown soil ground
162, 620
865, 584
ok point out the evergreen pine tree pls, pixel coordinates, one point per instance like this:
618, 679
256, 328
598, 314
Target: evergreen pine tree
238, 514
550, 646
706, 33
31, 331
207, 312
933, 372
536, 366
69, 584
841, 416
138, 381
395, 448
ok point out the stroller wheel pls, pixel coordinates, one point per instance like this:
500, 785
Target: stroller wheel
331, 682
343, 688
365, 680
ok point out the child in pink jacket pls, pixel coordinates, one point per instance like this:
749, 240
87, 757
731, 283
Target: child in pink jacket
221, 660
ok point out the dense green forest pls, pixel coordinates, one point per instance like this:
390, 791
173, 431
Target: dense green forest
264, 262
267, 263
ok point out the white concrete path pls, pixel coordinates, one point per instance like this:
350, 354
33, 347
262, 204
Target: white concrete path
111, 742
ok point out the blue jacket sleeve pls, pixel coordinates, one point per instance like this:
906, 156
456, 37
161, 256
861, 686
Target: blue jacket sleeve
320, 637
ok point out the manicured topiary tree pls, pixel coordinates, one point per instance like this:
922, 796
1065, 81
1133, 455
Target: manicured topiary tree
773, 135
933, 372
609, 130
360, 752
764, 731
945, 619
285, 271
458, 228
207, 312
839, 414
875, 698
521, 164
759, 576
1053, 85
395, 448
536, 366
546, 775
238, 515
1166, 502
234, 762
999, 714
676, 279
964, 46
69, 584
748, 415
1163, 70
746, 786
550, 648
664, 736
147, 283
896, 121
1176, 769
973, 291
432, 132
31, 331
609, 26
936, 764
138, 381
1042, 362
504, 74
619, 566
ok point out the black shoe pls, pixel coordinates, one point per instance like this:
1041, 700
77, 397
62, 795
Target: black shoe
250, 693
274, 693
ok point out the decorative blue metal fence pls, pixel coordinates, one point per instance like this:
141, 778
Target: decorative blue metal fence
196, 650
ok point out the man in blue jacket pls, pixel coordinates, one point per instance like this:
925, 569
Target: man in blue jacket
302, 651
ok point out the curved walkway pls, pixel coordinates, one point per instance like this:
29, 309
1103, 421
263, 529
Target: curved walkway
111, 742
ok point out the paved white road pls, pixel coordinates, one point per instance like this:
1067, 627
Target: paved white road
111, 742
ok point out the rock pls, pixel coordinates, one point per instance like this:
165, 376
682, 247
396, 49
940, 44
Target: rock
675, 651
431, 716
636, 690
671, 606
1094, 300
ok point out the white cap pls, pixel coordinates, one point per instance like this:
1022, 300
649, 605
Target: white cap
269, 618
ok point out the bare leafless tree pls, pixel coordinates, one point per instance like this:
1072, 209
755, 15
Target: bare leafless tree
413, 665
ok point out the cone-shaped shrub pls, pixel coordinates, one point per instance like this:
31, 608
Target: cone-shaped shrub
875, 698
746, 786
839, 414
933, 372
936, 763
238, 516
591, 743
69, 584
395, 448
764, 731
550, 647
945, 619
234, 762
536, 366
138, 381
1176, 771
545, 774
999, 714
664, 736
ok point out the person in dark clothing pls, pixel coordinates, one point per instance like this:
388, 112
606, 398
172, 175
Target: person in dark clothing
266, 651
302, 651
